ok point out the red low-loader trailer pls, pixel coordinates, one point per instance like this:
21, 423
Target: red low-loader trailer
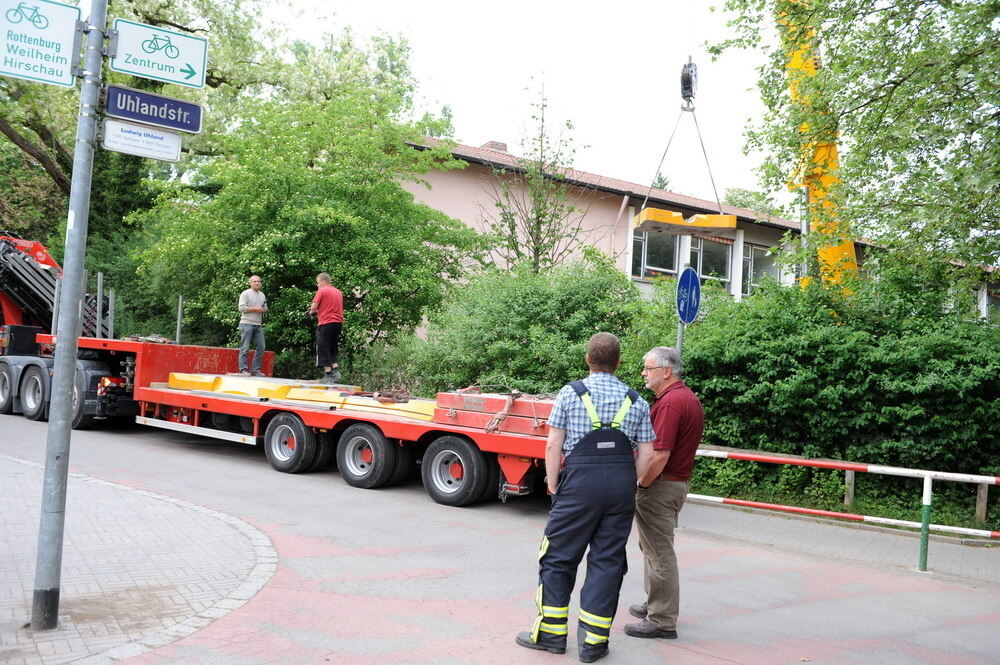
469, 447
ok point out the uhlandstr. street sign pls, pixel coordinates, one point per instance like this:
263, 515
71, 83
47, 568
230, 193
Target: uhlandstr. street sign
39, 41
688, 295
158, 54
150, 109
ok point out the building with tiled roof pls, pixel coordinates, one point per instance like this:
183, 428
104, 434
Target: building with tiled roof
606, 206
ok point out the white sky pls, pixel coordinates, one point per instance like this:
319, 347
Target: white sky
613, 69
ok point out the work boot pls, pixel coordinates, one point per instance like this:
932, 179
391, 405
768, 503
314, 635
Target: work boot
545, 642
590, 653
638, 610
648, 629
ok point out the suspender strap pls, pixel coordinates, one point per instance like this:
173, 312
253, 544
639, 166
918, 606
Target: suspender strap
630, 397
588, 403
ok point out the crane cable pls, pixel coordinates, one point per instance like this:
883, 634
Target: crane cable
689, 75
662, 157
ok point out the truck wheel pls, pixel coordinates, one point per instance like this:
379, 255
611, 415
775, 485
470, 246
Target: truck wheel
289, 445
492, 489
33, 393
6, 389
326, 446
365, 457
454, 471
80, 420
406, 455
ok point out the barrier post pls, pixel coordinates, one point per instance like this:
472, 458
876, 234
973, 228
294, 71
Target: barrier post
848, 488
982, 495
925, 522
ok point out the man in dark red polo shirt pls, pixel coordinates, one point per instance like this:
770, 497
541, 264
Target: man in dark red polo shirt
678, 421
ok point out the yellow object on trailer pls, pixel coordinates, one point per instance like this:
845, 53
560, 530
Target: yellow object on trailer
339, 396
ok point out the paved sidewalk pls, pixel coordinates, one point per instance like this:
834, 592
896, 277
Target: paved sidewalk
140, 570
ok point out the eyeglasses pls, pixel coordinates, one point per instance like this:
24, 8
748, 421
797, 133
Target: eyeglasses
646, 368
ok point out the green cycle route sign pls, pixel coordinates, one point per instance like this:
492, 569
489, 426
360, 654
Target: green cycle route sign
39, 41
158, 54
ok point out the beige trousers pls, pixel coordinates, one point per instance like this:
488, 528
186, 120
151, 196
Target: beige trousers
656, 516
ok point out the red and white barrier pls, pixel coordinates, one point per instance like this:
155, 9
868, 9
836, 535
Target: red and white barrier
982, 533
852, 466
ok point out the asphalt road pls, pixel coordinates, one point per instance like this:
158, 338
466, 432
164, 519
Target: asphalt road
389, 576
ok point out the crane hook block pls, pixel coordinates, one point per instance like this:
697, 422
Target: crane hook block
689, 82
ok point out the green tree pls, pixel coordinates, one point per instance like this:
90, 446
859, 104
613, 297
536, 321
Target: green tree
307, 187
537, 220
748, 199
910, 88
661, 181
29, 200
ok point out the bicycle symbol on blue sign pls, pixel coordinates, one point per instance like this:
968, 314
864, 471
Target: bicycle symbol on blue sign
29, 13
688, 295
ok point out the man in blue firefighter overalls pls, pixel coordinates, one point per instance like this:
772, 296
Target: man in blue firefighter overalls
599, 436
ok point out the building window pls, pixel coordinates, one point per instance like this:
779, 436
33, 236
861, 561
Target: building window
654, 254
757, 264
710, 259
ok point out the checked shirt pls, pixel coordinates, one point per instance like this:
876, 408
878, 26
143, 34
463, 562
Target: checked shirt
607, 393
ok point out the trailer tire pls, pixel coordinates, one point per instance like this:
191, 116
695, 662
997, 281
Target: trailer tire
492, 489
454, 471
365, 457
80, 420
6, 389
325, 448
289, 445
406, 456
34, 396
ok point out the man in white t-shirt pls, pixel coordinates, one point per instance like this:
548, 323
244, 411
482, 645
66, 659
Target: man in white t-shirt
253, 304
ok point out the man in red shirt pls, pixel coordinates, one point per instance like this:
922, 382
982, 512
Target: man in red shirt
328, 305
678, 421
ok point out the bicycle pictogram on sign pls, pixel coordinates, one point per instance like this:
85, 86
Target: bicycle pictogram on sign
158, 43
29, 13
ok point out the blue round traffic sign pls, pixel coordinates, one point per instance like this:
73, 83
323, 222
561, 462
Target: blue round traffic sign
688, 295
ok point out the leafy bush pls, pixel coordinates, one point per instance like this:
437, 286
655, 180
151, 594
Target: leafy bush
518, 329
804, 371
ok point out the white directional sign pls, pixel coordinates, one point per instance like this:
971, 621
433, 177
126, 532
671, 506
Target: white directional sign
162, 55
38, 40
141, 140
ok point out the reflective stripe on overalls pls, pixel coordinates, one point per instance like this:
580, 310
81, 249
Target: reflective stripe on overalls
593, 507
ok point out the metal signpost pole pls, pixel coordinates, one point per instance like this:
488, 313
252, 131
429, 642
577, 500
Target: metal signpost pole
48, 568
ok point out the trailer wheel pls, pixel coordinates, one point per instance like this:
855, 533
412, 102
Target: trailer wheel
80, 420
454, 471
326, 446
492, 488
365, 457
289, 445
6, 389
406, 455
33, 393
